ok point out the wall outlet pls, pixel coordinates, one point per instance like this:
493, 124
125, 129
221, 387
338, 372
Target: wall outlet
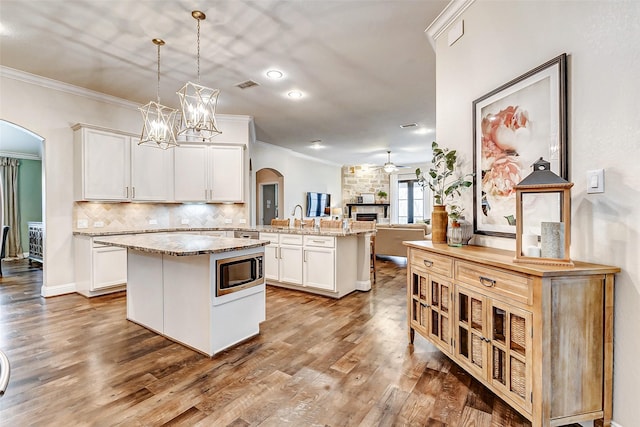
184, 221
242, 221
98, 224
82, 223
228, 221
153, 222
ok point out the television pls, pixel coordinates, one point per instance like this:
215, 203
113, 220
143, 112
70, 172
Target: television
318, 204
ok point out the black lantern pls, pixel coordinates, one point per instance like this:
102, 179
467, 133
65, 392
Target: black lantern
543, 217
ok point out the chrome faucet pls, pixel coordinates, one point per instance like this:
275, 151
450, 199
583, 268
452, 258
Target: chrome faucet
301, 213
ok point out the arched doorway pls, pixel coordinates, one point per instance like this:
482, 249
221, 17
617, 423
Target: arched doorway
27, 148
269, 195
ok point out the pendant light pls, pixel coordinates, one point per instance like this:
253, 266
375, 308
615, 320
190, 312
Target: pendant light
159, 125
198, 103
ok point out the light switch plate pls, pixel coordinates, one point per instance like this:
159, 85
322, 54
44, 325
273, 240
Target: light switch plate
184, 221
153, 222
82, 223
98, 224
595, 181
242, 221
228, 221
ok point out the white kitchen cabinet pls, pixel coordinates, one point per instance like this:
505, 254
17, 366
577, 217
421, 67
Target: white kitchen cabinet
102, 164
212, 173
283, 257
151, 173
111, 166
99, 269
319, 267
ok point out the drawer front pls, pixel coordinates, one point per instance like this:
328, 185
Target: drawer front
291, 239
320, 241
432, 263
271, 237
496, 281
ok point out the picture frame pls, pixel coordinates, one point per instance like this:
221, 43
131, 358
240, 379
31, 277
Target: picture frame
368, 198
513, 126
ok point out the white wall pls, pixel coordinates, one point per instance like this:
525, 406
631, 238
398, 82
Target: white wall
505, 39
50, 113
301, 174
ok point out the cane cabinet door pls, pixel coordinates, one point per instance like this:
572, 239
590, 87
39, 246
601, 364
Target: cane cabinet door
471, 330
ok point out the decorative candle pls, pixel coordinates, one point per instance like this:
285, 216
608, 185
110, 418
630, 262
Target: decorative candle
552, 239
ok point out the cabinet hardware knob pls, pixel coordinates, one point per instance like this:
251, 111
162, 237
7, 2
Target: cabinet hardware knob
487, 282
428, 263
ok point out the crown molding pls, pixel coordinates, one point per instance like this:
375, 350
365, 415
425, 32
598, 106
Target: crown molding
25, 156
296, 154
48, 83
447, 17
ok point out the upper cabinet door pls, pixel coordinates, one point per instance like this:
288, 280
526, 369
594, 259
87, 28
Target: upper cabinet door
103, 160
227, 172
190, 173
151, 173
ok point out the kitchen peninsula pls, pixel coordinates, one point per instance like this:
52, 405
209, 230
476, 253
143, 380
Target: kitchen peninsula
205, 292
327, 261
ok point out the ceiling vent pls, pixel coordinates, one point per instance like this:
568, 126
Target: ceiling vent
408, 125
247, 84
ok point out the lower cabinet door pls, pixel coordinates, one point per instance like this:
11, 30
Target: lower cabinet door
319, 268
109, 267
471, 330
510, 352
271, 262
291, 264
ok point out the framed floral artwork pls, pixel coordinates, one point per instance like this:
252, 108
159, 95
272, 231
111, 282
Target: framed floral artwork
513, 126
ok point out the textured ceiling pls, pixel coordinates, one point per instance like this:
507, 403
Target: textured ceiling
365, 67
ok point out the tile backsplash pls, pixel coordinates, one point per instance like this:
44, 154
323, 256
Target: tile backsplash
131, 216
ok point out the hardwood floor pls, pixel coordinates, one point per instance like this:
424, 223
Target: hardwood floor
317, 361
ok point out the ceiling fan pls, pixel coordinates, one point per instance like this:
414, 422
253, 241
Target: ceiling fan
389, 166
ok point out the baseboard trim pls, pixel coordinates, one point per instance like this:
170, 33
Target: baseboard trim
615, 424
363, 285
55, 290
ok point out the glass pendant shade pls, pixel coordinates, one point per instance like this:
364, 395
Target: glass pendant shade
159, 121
198, 104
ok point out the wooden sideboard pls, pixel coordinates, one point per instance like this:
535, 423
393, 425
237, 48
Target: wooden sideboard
539, 337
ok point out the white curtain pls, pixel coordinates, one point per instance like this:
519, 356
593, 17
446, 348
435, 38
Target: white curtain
11, 215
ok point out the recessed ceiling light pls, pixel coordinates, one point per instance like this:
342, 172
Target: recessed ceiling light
275, 74
295, 94
316, 144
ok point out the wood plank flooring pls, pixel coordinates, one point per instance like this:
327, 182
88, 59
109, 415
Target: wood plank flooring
317, 361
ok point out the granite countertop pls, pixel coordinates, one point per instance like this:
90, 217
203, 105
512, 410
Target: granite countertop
336, 232
179, 244
314, 231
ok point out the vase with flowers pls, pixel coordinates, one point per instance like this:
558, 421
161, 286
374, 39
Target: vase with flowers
446, 184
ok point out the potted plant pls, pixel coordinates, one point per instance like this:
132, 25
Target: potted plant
446, 185
382, 195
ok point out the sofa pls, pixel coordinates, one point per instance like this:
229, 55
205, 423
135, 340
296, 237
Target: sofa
389, 237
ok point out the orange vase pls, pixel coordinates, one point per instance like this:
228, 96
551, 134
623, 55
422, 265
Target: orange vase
439, 219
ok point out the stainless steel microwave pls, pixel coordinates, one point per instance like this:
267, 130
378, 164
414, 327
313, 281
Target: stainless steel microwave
238, 273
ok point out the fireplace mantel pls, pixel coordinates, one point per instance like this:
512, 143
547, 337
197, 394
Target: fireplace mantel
384, 206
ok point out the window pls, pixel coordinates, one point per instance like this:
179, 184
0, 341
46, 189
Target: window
411, 202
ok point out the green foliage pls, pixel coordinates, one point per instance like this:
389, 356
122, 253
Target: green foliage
382, 194
443, 180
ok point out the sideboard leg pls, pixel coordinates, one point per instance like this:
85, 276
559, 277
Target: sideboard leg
412, 335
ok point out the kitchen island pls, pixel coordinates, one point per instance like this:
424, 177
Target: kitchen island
205, 292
